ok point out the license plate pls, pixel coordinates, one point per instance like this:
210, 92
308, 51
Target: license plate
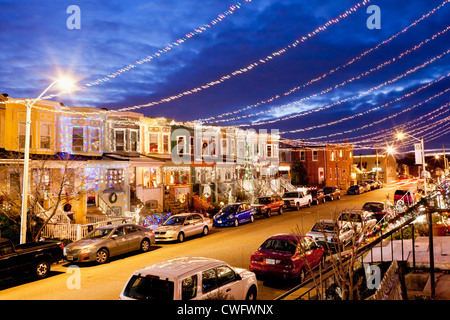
270, 261
69, 258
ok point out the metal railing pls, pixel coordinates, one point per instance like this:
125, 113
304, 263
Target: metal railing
326, 276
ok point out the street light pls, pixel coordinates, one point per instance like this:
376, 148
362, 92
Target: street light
66, 84
400, 136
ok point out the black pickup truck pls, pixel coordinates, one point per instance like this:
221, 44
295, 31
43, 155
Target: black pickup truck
34, 257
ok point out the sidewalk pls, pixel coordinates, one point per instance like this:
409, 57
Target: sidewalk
441, 251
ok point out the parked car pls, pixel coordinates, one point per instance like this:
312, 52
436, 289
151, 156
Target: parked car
404, 195
34, 257
363, 220
355, 189
267, 205
296, 199
332, 193
182, 225
105, 242
325, 233
317, 196
379, 209
190, 278
372, 184
379, 183
365, 186
281, 256
234, 214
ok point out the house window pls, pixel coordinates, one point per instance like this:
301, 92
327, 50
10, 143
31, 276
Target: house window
22, 131
165, 143
315, 155
332, 156
77, 139
45, 132
120, 140
133, 140
269, 150
153, 142
181, 144
94, 139
302, 156
224, 146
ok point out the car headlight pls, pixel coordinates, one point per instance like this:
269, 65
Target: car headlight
87, 249
170, 233
65, 250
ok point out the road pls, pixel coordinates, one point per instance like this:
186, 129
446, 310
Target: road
233, 245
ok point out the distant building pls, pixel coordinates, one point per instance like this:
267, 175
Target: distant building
326, 165
368, 168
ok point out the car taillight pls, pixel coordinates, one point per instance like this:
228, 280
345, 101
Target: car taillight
256, 259
62, 246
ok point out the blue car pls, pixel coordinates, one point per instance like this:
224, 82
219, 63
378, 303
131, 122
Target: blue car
233, 215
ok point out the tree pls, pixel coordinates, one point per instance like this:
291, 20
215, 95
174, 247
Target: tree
299, 175
54, 182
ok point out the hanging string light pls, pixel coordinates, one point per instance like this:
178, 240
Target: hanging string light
158, 53
425, 16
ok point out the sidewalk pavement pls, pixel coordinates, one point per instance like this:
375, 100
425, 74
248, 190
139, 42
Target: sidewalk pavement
403, 252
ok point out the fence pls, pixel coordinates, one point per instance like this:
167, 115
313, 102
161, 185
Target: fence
75, 232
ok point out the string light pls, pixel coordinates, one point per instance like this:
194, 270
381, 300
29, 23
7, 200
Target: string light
167, 48
425, 16
407, 73
257, 63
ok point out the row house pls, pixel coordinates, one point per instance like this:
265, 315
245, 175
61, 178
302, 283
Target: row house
326, 165
122, 160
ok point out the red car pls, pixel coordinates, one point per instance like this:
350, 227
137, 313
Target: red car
280, 256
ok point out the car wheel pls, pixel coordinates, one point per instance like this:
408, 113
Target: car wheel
309, 204
297, 206
338, 197
252, 218
205, 231
331, 198
180, 237
251, 294
323, 200
42, 269
268, 214
102, 256
280, 211
145, 245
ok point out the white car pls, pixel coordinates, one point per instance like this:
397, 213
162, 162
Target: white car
363, 220
326, 231
180, 226
190, 278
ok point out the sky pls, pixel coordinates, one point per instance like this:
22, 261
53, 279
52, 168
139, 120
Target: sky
287, 65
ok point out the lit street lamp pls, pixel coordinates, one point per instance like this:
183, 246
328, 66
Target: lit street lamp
66, 84
400, 136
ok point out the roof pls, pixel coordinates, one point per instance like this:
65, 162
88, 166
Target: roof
179, 266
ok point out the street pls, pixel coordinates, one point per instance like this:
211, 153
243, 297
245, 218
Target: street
232, 245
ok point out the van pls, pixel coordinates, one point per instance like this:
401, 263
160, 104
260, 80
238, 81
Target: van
190, 278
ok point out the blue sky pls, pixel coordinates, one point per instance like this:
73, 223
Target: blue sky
37, 46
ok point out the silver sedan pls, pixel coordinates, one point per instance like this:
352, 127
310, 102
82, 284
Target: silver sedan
108, 241
180, 226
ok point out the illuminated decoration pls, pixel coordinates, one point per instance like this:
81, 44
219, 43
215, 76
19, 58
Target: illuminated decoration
293, 116
206, 120
257, 63
167, 48
380, 66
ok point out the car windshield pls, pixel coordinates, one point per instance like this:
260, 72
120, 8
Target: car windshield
265, 200
99, 233
323, 227
373, 206
290, 195
327, 190
350, 216
401, 192
232, 208
175, 221
354, 187
149, 288
279, 246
